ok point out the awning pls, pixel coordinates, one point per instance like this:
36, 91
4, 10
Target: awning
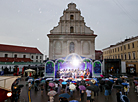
7, 81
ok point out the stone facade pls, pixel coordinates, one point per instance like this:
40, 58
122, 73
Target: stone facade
71, 36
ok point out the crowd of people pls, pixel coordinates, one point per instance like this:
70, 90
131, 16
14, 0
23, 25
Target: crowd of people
73, 73
89, 86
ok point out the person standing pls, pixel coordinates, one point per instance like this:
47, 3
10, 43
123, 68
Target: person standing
56, 87
82, 95
75, 74
125, 90
42, 89
88, 93
92, 96
118, 95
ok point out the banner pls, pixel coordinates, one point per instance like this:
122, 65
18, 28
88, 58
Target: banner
49, 70
97, 69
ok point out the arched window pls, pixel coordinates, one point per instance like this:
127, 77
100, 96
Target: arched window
71, 47
71, 17
71, 29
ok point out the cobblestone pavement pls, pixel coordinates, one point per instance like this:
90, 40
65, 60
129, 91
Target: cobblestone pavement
37, 97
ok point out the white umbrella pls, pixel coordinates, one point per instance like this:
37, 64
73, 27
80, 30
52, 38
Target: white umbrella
29, 70
72, 87
30, 80
49, 79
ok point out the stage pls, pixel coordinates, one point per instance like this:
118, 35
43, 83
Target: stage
73, 66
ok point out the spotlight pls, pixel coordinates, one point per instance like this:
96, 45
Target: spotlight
75, 62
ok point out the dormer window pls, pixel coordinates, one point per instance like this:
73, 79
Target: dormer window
71, 30
71, 17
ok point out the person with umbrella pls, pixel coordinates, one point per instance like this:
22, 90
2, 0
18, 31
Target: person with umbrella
118, 95
106, 93
36, 84
51, 94
88, 93
64, 97
125, 90
51, 85
72, 87
82, 94
56, 87
42, 88
61, 99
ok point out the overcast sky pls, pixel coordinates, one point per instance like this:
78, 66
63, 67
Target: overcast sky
27, 22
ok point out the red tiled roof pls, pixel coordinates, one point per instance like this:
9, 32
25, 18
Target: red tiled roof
19, 49
4, 59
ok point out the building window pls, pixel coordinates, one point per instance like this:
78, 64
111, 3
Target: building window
72, 47
71, 17
121, 48
32, 57
124, 47
6, 55
40, 57
132, 45
125, 57
137, 43
15, 56
118, 56
134, 56
115, 57
36, 57
24, 56
122, 56
115, 49
71, 30
36, 60
128, 46
129, 55
118, 49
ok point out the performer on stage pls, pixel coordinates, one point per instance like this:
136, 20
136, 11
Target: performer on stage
87, 72
75, 74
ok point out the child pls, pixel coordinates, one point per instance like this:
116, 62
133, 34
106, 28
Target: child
128, 86
125, 90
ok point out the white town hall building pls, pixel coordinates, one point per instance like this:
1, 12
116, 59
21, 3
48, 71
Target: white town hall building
71, 36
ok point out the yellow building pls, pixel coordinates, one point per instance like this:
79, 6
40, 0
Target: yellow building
126, 50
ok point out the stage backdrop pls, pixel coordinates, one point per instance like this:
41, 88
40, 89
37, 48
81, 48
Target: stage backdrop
52, 68
49, 69
97, 68
68, 63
